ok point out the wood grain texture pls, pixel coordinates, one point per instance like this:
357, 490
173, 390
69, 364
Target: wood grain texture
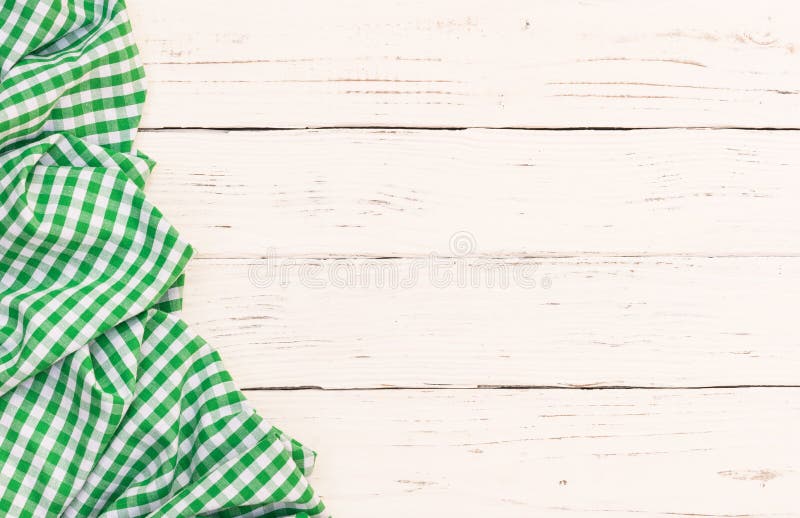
404, 193
660, 258
513, 63
587, 322
549, 454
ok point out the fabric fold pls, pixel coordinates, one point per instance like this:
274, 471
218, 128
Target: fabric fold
109, 404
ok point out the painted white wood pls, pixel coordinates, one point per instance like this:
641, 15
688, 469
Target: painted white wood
405, 193
549, 454
669, 258
470, 63
588, 322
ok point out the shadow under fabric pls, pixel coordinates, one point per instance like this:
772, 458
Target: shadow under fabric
109, 405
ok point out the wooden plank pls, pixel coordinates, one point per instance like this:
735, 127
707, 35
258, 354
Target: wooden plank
405, 193
470, 63
587, 322
552, 453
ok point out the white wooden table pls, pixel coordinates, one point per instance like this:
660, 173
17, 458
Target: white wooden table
639, 162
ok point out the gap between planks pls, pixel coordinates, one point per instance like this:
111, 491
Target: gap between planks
464, 128
491, 257
300, 388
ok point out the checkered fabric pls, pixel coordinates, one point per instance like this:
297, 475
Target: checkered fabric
109, 405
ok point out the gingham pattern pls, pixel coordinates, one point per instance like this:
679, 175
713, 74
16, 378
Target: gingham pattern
109, 405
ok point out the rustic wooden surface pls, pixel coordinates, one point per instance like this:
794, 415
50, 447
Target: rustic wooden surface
398, 193
601, 322
564, 453
517, 63
611, 186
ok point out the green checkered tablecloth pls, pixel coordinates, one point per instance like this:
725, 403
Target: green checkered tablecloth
109, 405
